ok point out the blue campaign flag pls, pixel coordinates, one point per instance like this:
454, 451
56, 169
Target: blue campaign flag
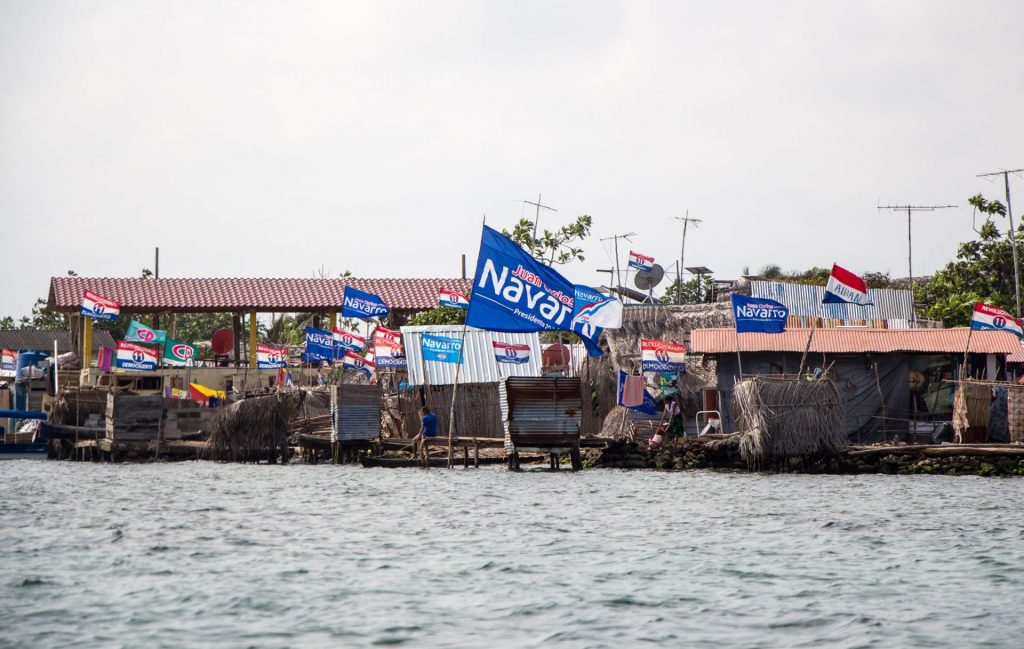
761, 315
514, 292
363, 305
319, 345
440, 348
649, 406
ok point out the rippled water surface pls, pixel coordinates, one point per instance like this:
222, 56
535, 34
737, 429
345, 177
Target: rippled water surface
211, 555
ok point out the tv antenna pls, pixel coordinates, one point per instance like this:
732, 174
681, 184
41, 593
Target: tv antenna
536, 219
1011, 233
646, 280
615, 238
910, 209
682, 253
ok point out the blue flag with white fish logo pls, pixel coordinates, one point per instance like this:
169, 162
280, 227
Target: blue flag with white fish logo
440, 348
513, 292
363, 305
758, 315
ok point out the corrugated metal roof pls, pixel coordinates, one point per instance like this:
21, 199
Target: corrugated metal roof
852, 341
1018, 357
478, 363
18, 339
805, 300
138, 295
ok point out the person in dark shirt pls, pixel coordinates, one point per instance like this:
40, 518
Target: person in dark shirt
428, 428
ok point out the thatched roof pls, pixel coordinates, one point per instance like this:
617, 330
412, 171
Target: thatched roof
782, 418
254, 429
665, 323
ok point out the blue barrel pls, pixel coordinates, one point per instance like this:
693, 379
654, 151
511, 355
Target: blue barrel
26, 358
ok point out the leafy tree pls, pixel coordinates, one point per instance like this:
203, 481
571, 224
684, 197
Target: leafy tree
693, 293
552, 247
981, 272
442, 315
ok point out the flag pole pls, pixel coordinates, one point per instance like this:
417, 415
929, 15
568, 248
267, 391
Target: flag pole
455, 392
739, 361
807, 347
462, 349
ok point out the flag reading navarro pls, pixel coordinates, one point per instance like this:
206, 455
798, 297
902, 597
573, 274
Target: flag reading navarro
441, 348
135, 357
640, 262
513, 292
992, 318
452, 299
319, 346
363, 305
512, 353
760, 315
98, 307
662, 356
591, 307
271, 358
844, 286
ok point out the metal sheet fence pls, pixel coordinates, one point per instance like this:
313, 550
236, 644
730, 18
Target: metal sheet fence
478, 359
805, 300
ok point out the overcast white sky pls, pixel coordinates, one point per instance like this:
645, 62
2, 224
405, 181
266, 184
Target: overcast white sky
273, 138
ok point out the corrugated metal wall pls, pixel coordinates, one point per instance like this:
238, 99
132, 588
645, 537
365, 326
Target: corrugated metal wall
892, 305
355, 412
478, 364
540, 410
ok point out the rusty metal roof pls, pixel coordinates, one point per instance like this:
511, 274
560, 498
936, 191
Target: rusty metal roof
853, 341
199, 294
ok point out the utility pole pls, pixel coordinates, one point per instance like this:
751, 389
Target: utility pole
1011, 234
536, 219
682, 254
910, 209
618, 272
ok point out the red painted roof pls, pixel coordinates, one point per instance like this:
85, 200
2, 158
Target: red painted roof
854, 341
245, 294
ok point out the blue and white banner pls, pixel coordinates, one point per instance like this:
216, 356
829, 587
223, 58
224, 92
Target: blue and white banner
347, 341
441, 348
363, 305
452, 299
97, 307
319, 346
591, 307
513, 292
648, 407
353, 361
988, 317
512, 353
757, 314
662, 356
135, 357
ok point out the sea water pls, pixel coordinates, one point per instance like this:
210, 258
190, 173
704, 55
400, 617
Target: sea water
218, 555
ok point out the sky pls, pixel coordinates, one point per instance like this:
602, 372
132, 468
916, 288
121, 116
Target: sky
290, 139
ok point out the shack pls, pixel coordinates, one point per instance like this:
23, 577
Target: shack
541, 415
893, 382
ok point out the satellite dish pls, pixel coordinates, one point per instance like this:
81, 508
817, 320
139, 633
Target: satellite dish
645, 280
223, 340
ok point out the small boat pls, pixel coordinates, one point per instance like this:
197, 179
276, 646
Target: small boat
17, 446
23, 450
